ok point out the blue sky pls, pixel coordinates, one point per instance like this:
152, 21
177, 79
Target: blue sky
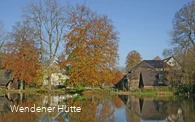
144, 25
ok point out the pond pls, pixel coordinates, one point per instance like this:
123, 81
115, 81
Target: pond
95, 107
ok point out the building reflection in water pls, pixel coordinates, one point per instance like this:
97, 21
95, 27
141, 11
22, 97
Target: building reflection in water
145, 109
9, 99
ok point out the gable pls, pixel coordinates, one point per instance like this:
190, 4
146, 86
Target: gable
149, 78
171, 61
135, 72
145, 65
142, 65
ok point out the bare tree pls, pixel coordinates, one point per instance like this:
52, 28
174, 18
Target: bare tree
183, 33
2, 34
183, 40
50, 20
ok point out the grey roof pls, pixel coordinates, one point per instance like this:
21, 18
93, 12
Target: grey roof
153, 64
156, 63
150, 64
142, 64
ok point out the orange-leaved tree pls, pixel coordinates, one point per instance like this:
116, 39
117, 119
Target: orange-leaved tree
118, 76
91, 47
21, 56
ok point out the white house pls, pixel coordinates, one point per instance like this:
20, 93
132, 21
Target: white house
171, 61
58, 77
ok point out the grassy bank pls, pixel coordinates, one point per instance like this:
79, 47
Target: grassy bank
139, 92
153, 93
31, 91
45, 91
147, 92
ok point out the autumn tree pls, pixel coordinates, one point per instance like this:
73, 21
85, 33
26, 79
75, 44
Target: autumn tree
157, 58
21, 55
49, 19
91, 47
118, 75
133, 58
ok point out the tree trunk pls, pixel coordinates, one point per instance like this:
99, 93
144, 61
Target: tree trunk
21, 97
49, 82
21, 85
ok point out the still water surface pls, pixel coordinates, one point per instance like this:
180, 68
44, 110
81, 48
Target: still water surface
95, 108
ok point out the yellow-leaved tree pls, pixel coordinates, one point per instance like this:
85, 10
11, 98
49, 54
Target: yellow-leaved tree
133, 58
91, 47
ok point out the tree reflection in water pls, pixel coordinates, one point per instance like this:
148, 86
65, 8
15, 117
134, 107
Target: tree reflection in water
93, 109
99, 108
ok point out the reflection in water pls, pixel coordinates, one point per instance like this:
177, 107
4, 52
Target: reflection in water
146, 109
97, 108
161, 109
54, 100
94, 109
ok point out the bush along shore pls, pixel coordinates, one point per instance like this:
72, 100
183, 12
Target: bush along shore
182, 90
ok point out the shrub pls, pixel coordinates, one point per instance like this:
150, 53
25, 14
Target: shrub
78, 89
185, 89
